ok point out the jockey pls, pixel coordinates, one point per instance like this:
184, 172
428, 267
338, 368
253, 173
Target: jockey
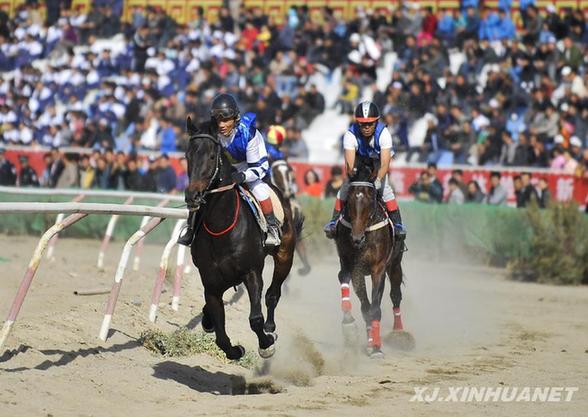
276, 135
368, 138
245, 147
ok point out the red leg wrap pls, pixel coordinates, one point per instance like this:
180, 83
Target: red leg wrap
345, 299
375, 334
392, 205
397, 319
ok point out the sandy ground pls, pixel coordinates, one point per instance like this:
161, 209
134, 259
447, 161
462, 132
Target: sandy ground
473, 328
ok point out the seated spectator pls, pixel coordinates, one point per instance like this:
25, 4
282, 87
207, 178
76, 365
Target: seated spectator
335, 183
571, 164
313, 184
497, 194
518, 190
150, 177
455, 195
183, 180
474, 194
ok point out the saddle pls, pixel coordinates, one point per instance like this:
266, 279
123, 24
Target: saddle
255, 207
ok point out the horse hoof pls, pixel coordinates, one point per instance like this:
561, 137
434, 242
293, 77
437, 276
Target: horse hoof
267, 353
376, 353
305, 270
400, 340
350, 333
236, 353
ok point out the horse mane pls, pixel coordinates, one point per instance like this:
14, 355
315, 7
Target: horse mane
365, 169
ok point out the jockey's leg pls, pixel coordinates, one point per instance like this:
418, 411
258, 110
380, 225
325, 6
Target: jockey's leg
331, 226
393, 210
261, 191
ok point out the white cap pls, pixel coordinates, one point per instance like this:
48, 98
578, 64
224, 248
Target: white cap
565, 71
575, 141
558, 139
397, 85
565, 107
494, 103
354, 37
550, 8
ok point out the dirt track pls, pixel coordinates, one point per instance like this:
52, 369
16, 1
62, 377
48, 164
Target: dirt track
472, 328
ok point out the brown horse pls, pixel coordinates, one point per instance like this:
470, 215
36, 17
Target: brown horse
283, 179
366, 246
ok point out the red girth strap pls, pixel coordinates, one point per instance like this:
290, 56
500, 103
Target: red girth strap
232, 225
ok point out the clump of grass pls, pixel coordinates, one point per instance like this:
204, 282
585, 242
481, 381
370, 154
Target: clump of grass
183, 342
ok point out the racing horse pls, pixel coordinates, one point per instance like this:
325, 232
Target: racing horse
228, 245
283, 179
366, 246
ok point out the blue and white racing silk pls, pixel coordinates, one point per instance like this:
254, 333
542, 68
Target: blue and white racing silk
246, 149
368, 148
274, 153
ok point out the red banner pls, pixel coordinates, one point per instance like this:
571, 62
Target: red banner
563, 187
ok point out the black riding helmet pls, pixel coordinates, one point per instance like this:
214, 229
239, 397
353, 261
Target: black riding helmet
224, 106
367, 112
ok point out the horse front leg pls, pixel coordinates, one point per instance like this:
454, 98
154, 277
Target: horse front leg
215, 310
254, 283
282, 265
375, 312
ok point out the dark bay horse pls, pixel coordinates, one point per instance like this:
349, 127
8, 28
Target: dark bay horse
228, 245
283, 179
366, 246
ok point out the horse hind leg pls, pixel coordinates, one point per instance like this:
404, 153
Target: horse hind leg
215, 307
398, 338
254, 284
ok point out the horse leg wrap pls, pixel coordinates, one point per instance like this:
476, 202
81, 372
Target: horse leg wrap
345, 300
397, 319
375, 334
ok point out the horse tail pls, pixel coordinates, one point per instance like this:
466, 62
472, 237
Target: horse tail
298, 221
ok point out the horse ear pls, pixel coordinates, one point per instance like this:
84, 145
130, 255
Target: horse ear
190, 127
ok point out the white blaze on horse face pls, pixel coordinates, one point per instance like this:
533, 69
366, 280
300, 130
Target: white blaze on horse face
283, 169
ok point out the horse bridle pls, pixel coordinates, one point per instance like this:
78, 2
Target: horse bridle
200, 197
370, 185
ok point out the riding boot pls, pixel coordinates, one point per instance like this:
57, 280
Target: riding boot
187, 233
331, 227
273, 230
399, 228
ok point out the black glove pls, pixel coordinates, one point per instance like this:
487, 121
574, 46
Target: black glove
238, 177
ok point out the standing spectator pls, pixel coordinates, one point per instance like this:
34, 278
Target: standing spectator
102, 174
166, 176
69, 177
518, 190
27, 177
497, 194
528, 192
571, 164
167, 136
56, 167
436, 189
474, 194
544, 195
457, 175
183, 180
7, 170
87, 173
150, 177
133, 179
335, 183
455, 195
313, 183
421, 188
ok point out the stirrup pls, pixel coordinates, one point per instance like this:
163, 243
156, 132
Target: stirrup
187, 237
330, 229
272, 237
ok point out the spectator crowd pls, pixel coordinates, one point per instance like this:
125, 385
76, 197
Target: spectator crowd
467, 85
